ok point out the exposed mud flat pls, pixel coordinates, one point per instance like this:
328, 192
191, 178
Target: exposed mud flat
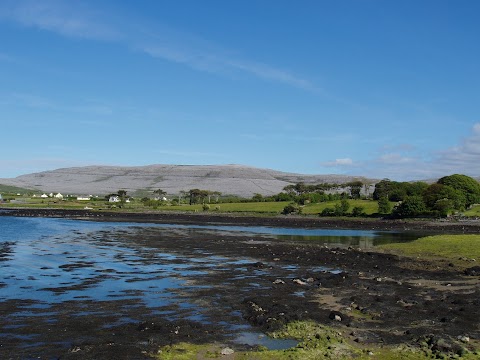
142, 288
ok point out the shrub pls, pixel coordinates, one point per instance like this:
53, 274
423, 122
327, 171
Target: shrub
342, 208
327, 212
292, 209
358, 211
412, 206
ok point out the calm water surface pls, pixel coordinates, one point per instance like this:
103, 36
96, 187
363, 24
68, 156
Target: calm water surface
49, 261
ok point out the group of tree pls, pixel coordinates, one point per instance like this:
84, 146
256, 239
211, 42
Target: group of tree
341, 209
192, 196
449, 194
121, 194
302, 193
197, 196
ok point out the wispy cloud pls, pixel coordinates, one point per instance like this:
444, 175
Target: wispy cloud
339, 163
65, 18
409, 165
395, 159
191, 55
37, 102
464, 157
74, 19
271, 73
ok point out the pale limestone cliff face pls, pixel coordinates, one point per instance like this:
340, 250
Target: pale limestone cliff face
227, 179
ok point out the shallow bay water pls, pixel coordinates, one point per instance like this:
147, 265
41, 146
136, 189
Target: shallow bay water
55, 272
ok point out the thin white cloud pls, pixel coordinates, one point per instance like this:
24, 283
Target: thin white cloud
270, 73
36, 102
66, 18
73, 19
339, 162
203, 59
462, 159
395, 159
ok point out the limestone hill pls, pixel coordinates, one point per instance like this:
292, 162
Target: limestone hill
227, 179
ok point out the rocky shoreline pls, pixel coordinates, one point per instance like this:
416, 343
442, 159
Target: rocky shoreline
373, 299
307, 222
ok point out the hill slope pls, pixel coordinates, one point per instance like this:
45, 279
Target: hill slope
228, 179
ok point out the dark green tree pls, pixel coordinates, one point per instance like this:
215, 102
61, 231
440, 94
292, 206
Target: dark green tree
355, 188
160, 193
342, 208
384, 206
290, 189
436, 192
328, 211
383, 189
443, 207
257, 197
292, 209
416, 188
412, 206
197, 196
193, 195
466, 184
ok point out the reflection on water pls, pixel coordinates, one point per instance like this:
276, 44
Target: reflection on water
45, 262
259, 339
363, 242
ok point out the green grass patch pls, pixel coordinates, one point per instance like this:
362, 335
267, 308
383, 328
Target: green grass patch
451, 247
253, 207
316, 341
474, 211
370, 207
275, 207
8, 189
259, 208
256, 207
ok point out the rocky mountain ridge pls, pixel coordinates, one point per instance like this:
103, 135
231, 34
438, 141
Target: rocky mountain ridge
228, 179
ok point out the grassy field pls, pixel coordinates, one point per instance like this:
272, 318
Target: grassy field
370, 207
8, 189
455, 248
260, 208
266, 208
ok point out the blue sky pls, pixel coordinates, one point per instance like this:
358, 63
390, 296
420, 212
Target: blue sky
385, 89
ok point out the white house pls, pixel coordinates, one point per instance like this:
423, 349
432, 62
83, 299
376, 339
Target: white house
114, 199
43, 196
83, 198
58, 196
